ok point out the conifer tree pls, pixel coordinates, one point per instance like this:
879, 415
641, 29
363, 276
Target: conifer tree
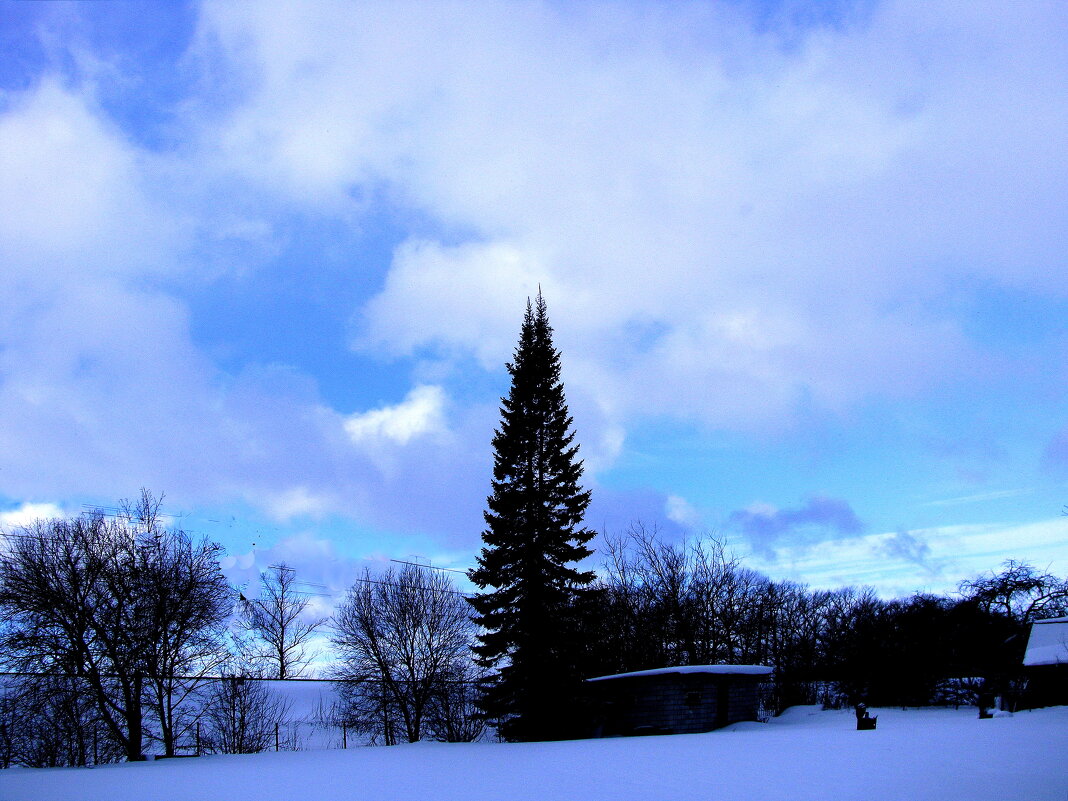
534, 535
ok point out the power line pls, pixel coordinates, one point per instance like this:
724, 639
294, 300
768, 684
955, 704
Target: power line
402, 586
430, 567
119, 511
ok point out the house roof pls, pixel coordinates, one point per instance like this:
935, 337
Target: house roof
1048, 643
731, 670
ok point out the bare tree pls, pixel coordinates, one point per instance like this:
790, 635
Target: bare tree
402, 638
454, 715
367, 706
115, 601
243, 716
50, 721
693, 602
68, 589
9, 724
278, 619
676, 603
646, 586
1019, 591
190, 603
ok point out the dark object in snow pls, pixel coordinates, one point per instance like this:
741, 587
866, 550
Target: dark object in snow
865, 722
679, 700
986, 704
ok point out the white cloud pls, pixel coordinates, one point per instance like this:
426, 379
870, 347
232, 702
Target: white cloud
724, 224
429, 295
27, 513
296, 502
980, 497
727, 225
73, 203
421, 413
681, 511
102, 386
934, 559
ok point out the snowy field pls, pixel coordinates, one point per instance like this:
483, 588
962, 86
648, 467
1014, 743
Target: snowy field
805, 754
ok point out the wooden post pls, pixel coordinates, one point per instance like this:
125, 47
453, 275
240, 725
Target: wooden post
198, 738
275, 736
344, 736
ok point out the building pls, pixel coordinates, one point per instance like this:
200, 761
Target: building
675, 700
1046, 663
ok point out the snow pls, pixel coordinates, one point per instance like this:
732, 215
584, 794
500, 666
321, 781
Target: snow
1048, 643
307, 701
303, 696
804, 755
733, 670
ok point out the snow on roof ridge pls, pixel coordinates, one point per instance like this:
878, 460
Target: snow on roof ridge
744, 670
1047, 645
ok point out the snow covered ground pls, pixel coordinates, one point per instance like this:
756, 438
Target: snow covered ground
916, 755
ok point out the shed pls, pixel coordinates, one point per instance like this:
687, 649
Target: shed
675, 700
1046, 662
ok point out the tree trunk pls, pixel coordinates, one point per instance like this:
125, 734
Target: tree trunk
134, 723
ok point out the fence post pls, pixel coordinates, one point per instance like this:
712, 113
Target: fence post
344, 736
198, 738
275, 736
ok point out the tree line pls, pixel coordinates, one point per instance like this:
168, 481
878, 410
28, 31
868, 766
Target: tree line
118, 626
114, 628
121, 634
661, 603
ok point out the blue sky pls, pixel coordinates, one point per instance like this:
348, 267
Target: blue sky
805, 263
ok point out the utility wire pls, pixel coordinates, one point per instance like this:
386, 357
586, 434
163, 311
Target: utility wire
430, 567
401, 586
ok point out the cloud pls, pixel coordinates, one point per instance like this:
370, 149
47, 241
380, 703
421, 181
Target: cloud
317, 562
322, 576
430, 290
820, 518
777, 211
27, 513
296, 502
421, 413
613, 511
680, 511
906, 546
934, 560
729, 224
75, 203
981, 497
104, 386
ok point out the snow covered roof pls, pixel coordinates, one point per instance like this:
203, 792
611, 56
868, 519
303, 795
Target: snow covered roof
732, 670
1048, 643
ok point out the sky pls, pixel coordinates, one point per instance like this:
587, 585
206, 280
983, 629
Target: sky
805, 263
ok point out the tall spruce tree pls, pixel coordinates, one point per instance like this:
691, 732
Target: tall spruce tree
534, 535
